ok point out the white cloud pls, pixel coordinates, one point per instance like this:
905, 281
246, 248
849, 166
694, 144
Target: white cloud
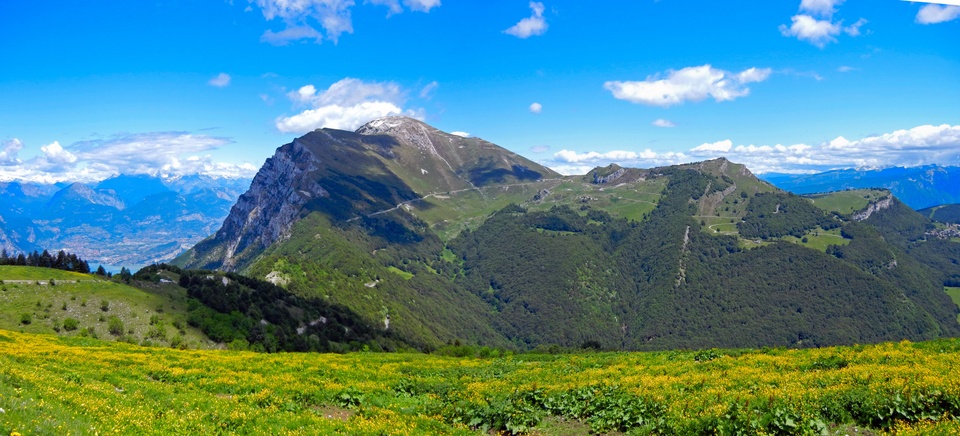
460, 134
714, 147
332, 15
663, 123
159, 153
346, 105
572, 162
414, 5
689, 84
292, 33
422, 5
530, 26
846, 69
536, 107
540, 148
300, 17
9, 150
815, 24
854, 29
817, 32
922, 145
220, 80
55, 155
427, 91
933, 14
825, 8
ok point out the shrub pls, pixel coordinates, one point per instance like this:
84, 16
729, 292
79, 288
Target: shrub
104, 305
70, 324
115, 326
56, 325
26, 319
176, 341
64, 307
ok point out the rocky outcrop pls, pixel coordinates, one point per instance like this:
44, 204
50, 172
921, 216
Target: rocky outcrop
609, 178
265, 213
885, 203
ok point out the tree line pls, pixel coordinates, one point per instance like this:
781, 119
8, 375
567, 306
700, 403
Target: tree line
62, 260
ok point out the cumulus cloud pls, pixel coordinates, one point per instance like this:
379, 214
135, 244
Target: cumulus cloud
921, 145
807, 28
300, 17
815, 24
689, 84
157, 153
220, 80
933, 14
663, 123
346, 105
571, 162
714, 147
536, 107
825, 8
530, 26
9, 150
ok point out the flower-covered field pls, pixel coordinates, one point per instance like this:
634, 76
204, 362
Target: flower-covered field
53, 385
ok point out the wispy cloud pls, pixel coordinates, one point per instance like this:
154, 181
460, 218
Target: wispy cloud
220, 80
689, 84
301, 17
536, 107
346, 105
530, 26
663, 123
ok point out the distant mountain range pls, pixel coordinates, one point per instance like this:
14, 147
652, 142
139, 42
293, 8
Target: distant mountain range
127, 220
918, 187
441, 239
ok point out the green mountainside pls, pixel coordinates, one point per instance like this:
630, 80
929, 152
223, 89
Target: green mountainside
439, 239
52, 301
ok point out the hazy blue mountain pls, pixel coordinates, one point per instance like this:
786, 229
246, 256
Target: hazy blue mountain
918, 187
129, 220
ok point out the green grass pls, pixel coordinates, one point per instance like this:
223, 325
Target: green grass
847, 202
954, 294
451, 213
52, 385
43, 274
819, 239
400, 272
80, 297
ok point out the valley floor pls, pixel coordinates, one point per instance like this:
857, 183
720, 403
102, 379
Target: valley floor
70, 385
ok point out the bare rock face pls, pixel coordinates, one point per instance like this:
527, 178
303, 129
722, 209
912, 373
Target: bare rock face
265, 213
873, 208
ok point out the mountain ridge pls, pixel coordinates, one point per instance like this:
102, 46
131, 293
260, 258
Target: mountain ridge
442, 238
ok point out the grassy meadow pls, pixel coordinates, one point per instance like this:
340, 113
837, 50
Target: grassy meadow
71, 385
43, 300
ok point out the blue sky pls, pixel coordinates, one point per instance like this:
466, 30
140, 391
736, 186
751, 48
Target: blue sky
90, 89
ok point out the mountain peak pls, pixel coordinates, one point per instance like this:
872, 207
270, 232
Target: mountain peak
391, 124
